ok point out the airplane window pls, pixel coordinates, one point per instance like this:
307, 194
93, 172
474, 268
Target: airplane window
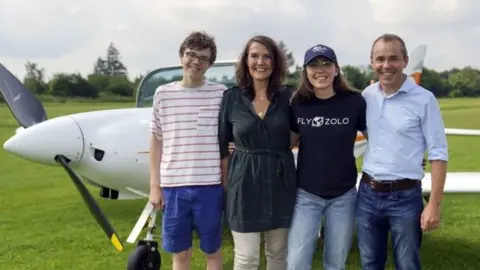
221, 72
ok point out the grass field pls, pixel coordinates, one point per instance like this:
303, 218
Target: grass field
45, 225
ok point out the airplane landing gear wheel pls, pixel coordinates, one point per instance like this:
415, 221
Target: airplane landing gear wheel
145, 257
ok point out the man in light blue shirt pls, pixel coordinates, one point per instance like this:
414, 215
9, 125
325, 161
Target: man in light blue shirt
403, 121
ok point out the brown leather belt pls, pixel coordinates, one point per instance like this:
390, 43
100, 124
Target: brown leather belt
388, 186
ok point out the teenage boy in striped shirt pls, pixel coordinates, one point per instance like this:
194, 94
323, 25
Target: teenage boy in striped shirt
185, 171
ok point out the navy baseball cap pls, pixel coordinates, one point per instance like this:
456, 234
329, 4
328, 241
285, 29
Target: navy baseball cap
319, 51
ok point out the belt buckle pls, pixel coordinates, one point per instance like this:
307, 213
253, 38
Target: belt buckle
373, 184
393, 186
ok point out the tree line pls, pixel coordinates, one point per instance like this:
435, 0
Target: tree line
456, 82
109, 80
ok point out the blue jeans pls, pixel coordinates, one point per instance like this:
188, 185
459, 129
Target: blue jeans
398, 212
339, 225
191, 208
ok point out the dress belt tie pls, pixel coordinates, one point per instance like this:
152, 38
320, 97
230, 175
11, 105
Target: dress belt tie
282, 167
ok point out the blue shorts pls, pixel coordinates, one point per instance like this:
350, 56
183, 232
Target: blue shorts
191, 208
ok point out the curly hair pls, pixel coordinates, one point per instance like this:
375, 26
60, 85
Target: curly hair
243, 76
199, 40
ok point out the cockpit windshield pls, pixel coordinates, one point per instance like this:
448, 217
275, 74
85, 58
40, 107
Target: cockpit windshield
223, 72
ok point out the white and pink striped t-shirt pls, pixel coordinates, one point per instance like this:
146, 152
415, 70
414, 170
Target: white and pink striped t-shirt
186, 120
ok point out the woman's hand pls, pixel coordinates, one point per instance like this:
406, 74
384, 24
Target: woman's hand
231, 147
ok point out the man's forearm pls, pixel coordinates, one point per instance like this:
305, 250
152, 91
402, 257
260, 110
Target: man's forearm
155, 158
439, 172
224, 169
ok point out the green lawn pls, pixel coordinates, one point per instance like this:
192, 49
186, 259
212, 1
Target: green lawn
45, 225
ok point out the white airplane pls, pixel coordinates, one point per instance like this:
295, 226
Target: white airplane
110, 148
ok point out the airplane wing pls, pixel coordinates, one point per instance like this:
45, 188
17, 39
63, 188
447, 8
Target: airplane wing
456, 183
461, 131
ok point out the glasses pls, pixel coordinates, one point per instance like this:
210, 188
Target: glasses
191, 56
321, 64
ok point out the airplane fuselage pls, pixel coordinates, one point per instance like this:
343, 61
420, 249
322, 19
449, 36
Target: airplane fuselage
116, 149
109, 148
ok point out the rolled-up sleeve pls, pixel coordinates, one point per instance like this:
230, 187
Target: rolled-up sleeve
225, 133
155, 123
434, 131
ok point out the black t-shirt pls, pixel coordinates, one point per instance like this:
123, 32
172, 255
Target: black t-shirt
328, 127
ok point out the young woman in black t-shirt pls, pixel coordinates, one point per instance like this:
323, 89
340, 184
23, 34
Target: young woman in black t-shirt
325, 117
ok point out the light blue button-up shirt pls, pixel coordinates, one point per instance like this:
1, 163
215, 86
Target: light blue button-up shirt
400, 128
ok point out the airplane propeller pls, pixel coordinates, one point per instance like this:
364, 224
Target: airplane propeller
25, 107
29, 111
92, 205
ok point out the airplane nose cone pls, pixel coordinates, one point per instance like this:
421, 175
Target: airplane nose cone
44, 141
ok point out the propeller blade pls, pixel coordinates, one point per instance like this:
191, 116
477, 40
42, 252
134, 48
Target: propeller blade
23, 104
92, 205
460, 131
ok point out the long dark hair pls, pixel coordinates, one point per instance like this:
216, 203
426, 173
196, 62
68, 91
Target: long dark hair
305, 90
243, 77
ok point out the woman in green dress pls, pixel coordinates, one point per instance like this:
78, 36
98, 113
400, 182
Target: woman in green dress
260, 176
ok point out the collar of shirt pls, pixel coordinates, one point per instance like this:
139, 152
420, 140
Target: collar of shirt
407, 85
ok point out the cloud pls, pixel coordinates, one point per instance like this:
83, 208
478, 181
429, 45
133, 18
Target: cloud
426, 12
68, 36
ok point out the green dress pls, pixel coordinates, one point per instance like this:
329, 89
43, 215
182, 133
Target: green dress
261, 188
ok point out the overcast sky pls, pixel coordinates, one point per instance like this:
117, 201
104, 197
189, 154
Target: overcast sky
68, 36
